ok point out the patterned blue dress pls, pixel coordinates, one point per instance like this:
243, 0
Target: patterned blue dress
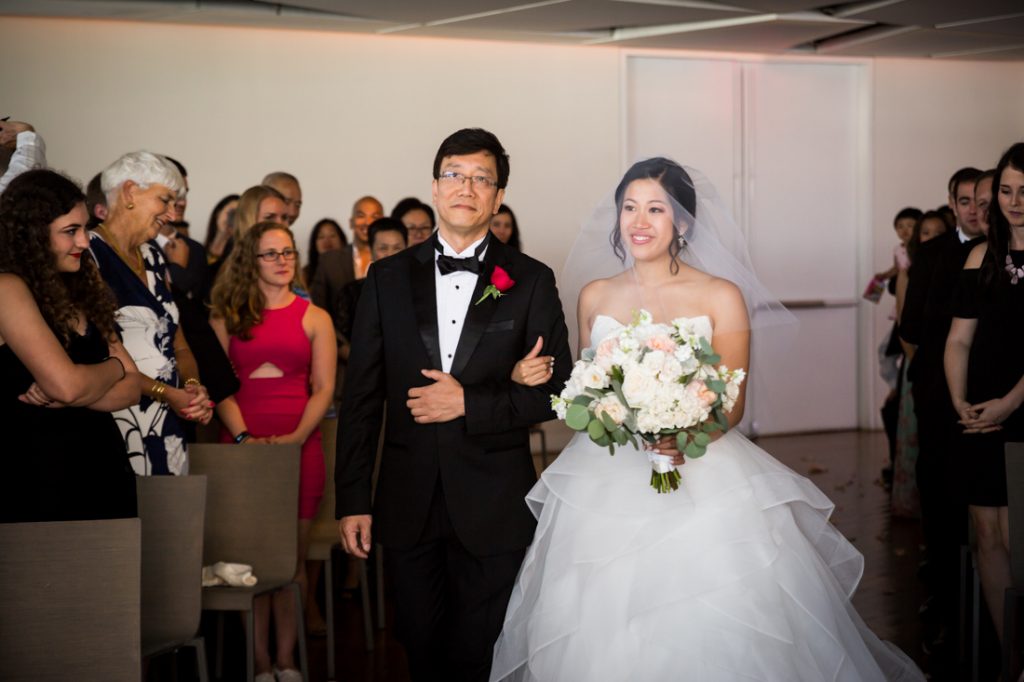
148, 320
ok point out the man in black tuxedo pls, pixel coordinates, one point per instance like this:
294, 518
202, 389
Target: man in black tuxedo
434, 347
924, 323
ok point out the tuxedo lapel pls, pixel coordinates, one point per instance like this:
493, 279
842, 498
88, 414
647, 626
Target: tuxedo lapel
424, 301
479, 314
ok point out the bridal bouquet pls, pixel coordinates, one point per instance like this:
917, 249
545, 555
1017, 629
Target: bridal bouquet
648, 381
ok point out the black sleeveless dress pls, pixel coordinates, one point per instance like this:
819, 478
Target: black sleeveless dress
60, 464
996, 364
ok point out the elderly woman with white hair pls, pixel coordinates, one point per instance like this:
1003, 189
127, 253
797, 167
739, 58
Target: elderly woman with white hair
141, 188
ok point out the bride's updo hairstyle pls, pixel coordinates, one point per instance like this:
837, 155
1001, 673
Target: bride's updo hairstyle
677, 184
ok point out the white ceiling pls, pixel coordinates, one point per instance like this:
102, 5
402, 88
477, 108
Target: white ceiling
942, 29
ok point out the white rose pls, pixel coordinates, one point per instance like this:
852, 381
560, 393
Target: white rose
611, 406
639, 387
594, 377
654, 361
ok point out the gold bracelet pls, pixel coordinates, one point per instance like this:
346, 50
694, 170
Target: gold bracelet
158, 390
192, 381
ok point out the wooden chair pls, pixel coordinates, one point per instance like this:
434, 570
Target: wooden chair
323, 537
252, 507
69, 600
1014, 594
172, 510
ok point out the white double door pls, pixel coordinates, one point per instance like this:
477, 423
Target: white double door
785, 143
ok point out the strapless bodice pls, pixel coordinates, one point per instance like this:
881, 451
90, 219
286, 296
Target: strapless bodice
604, 325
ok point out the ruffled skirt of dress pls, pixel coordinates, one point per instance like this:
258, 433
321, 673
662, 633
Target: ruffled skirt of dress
738, 575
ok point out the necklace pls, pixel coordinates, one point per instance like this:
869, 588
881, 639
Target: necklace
138, 267
1016, 274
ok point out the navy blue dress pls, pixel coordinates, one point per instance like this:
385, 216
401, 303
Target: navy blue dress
148, 319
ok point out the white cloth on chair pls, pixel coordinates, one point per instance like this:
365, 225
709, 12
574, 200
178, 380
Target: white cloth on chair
224, 573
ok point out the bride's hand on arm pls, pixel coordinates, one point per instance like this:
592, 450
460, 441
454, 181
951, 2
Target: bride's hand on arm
534, 369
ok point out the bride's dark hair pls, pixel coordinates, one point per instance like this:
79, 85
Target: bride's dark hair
677, 184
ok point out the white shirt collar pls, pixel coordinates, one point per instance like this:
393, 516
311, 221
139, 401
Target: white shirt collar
961, 235
467, 252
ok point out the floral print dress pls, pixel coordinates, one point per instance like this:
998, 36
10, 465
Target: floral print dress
148, 320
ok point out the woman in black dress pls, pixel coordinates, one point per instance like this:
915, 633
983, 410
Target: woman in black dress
985, 371
62, 367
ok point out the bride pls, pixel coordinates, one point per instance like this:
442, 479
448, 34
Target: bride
738, 574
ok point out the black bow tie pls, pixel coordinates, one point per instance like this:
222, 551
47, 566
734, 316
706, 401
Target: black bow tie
449, 264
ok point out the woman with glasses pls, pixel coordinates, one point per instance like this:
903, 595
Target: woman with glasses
283, 349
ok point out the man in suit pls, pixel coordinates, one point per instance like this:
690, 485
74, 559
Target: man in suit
924, 323
338, 268
435, 346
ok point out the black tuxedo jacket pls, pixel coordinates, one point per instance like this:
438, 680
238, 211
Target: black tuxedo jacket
483, 459
927, 309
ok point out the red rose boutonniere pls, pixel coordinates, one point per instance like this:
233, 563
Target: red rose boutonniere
500, 284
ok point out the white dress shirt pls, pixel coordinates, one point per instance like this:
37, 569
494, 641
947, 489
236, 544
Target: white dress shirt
454, 293
29, 154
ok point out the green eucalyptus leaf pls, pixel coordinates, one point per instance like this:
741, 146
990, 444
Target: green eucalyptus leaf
595, 429
695, 451
577, 417
702, 439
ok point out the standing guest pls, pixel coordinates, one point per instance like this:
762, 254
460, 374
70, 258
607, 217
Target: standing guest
29, 151
190, 285
890, 352
257, 204
417, 217
186, 258
326, 236
924, 324
59, 349
388, 236
983, 198
95, 202
505, 227
288, 185
335, 269
364, 212
905, 500
220, 227
141, 188
985, 370
284, 351
435, 352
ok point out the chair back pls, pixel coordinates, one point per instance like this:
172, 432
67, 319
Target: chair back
323, 533
69, 600
172, 510
1015, 493
252, 506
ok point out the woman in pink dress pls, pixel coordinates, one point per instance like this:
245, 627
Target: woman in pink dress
283, 349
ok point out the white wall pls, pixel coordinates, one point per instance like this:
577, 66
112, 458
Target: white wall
348, 114
357, 114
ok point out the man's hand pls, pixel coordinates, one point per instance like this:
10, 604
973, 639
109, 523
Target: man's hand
355, 534
442, 401
9, 132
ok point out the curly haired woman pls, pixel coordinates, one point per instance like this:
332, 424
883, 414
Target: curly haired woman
63, 369
284, 351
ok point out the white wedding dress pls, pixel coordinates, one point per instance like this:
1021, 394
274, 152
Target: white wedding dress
737, 575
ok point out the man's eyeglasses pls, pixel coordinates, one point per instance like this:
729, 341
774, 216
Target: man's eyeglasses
478, 181
271, 256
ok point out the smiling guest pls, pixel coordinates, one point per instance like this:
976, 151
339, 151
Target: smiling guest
58, 349
141, 188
